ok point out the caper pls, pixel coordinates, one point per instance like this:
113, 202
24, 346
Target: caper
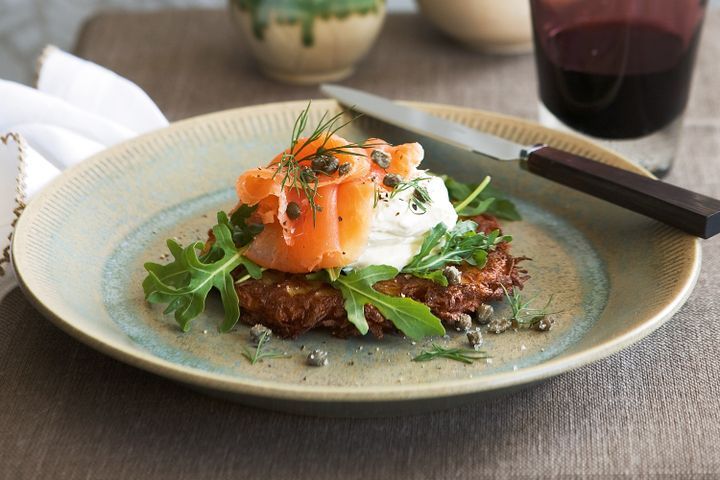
484, 313
463, 322
381, 158
307, 175
317, 358
391, 180
544, 323
325, 163
258, 331
453, 275
293, 211
499, 325
475, 338
344, 169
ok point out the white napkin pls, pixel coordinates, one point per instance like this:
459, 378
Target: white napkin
77, 109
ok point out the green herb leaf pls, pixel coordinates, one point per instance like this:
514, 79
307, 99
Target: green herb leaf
463, 355
412, 318
476, 208
242, 231
505, 209
436, 276
461, 244
489, 201
259, 353
185, 283
522, 314
289, 168
431, 240
473, 195
420, 199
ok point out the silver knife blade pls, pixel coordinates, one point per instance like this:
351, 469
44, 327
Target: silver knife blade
425, 123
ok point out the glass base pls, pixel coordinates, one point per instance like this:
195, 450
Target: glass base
654, 152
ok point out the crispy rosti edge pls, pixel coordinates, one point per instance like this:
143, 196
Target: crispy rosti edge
291, 305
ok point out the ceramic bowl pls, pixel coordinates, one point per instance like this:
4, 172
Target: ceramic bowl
298, 43
492, 26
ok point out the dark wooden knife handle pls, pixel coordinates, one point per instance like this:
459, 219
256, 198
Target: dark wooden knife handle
689, 211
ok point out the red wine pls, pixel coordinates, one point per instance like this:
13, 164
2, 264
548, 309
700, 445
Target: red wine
615, 79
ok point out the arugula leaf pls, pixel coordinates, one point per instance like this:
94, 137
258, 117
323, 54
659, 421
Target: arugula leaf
412, 318
430, 241
490, 200
242, 232
185, 283
461, 244
505, 209
477, 207
436, 276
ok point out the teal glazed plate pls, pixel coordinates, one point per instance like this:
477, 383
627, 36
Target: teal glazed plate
80, 246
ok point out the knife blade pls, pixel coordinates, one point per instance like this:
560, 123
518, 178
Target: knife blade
689, 211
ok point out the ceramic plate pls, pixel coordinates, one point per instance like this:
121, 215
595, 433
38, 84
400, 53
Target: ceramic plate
80, 246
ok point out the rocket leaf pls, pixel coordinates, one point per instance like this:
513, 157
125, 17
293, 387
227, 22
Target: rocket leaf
412, 318
461, 244
490, 201
184, 284
242, 231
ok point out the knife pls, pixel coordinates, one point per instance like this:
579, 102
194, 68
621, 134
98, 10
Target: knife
691, 212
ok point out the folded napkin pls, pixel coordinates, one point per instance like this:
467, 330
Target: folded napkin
77, 109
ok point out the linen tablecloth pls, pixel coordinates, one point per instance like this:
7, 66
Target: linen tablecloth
653, 410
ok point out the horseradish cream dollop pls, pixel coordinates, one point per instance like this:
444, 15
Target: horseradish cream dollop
397, 230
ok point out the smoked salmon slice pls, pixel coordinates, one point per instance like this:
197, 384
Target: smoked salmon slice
405, 158
335, 232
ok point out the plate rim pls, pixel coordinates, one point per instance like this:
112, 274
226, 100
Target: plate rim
332, 394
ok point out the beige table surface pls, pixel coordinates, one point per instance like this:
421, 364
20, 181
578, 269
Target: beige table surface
653, 410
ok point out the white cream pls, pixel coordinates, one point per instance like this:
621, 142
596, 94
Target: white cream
396, 232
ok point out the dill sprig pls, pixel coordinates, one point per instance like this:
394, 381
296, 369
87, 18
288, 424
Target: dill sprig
464, 355
376, 196
420, 199
521, 311
302, 177
259, 353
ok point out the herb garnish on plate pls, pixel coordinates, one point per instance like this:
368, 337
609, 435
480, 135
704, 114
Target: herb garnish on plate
259, 353
303, 177
420, 199
488, 200
461, 244
464, 355
184, 284
522, 314
412, 318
